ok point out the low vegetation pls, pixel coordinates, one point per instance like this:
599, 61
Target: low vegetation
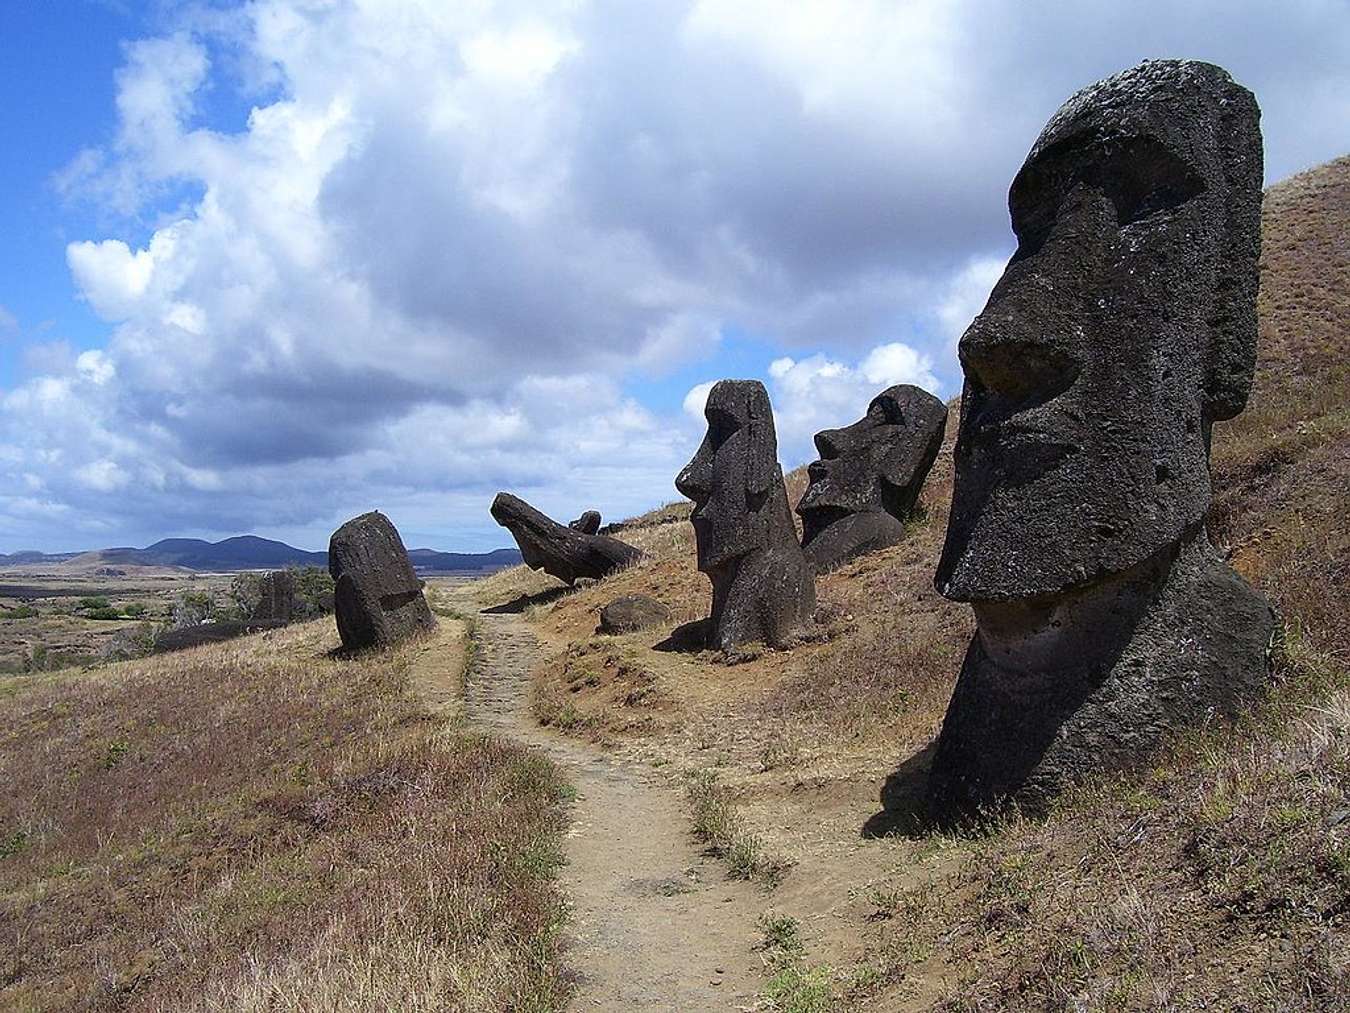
1214, 877
264, 824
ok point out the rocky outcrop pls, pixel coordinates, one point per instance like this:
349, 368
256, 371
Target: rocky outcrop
377, 598
869, 475
1122, 330
557, 549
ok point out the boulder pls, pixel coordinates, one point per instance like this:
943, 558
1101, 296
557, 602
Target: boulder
632, 613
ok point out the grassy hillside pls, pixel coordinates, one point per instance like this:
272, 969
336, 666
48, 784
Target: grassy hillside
1218, 877
264, 824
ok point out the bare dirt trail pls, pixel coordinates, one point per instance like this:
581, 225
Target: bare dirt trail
657, 925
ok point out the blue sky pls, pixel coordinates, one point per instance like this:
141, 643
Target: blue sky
271, 264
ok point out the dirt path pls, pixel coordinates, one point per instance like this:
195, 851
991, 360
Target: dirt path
656, 924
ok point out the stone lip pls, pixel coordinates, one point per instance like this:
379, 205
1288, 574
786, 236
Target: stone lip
557, 549
632, 613
869, 475
763, 587
377, 596
588, 523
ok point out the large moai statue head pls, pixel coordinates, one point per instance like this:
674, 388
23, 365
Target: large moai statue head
377, 597
763, 588
1122, 329
869, 476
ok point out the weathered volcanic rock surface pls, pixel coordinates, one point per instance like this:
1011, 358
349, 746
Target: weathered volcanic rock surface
869, 475
377, 597
632, 613
277, 603
763, 588
588, 523
1120, 333
557, 549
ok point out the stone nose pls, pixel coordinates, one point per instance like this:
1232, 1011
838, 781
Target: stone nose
828, 443
1009, 355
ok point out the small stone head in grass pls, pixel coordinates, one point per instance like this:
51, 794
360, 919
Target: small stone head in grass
763, 587
1123, 328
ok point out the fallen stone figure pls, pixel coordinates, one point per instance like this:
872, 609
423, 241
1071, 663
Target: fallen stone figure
211, 633
588, 523
557, 549
763, 588
869, 476
377, 598
1121, 331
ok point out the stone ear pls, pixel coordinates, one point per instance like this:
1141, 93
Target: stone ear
1231, 360
763, 463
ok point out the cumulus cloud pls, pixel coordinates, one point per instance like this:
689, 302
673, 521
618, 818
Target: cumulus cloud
448, 235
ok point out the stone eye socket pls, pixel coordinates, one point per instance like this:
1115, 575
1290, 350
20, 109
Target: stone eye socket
1139, 175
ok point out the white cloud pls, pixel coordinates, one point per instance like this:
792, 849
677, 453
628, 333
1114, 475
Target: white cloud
8, 322
819, 392
449, 234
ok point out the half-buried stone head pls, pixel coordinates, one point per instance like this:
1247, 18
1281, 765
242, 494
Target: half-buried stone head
763, 587
1122, 329
869, 476
377, 597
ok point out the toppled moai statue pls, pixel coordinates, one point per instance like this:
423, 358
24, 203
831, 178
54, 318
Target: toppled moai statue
277, 601
763, 588
377, 597
588, 523
559, 549
869, 475
1123, 327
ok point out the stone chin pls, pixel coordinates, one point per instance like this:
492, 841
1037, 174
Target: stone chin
1086, 519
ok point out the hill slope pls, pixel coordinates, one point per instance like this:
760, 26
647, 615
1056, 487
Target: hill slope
1217, 878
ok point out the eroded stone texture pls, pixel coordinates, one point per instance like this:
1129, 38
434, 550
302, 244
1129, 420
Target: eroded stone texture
559, 549
631, 613
588, 523
1123, 327
763, 588
377, 598
277, 603
869, 476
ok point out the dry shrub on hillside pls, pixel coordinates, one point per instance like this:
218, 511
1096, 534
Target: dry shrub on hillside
262, 825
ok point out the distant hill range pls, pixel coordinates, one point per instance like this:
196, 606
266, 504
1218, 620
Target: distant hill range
249, 552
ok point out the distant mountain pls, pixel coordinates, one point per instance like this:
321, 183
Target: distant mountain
249, 552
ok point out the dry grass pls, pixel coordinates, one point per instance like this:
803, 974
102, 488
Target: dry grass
264, 825
1216, 877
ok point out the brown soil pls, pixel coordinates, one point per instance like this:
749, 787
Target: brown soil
655, 923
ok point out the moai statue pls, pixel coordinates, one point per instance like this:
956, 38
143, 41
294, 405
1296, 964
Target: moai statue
563, 550
277, 601
1122, 329
869, 475
763, 588
377, 598
588, 523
